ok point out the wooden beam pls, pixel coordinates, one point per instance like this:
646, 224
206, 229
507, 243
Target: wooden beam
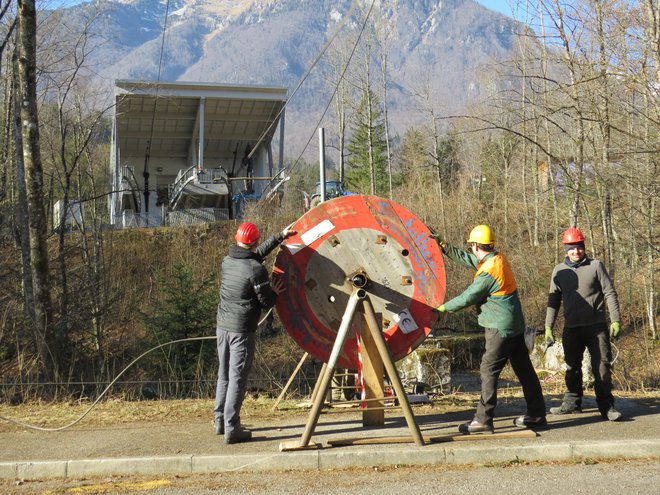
373, 371
292, 445
288, 383
456, 437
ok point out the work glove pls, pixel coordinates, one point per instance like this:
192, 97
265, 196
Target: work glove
615, 328
437, 237
288, 232
549, 338
441, 309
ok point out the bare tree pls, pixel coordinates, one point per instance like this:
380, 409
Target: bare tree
73, 125
37, 225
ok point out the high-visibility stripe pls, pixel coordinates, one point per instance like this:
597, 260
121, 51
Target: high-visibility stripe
499, 268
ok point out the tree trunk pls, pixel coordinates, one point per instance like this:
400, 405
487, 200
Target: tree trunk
37, 225
387, 124
22, 224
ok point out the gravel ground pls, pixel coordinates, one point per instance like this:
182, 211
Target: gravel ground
592, 477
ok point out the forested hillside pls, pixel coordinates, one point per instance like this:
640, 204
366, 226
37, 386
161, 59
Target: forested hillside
565, 133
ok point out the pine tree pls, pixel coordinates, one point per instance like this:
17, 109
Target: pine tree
367, 148
186, 309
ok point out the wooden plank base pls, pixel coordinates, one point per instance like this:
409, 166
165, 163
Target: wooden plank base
458, 437
295, 445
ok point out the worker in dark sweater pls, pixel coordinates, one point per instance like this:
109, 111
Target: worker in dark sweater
584, 287
245, 291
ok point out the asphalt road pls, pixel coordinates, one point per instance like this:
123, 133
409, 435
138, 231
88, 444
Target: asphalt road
152, 439
186, 457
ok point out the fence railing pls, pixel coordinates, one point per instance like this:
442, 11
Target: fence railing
197, 215
129, 219
301, 386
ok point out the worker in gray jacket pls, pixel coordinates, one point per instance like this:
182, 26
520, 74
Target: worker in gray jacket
245, 290
584, 287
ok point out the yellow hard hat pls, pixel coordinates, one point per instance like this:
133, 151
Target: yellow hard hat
482, 234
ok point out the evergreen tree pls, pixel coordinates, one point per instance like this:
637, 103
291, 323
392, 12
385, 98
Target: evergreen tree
367, 160
413, 153
186, 309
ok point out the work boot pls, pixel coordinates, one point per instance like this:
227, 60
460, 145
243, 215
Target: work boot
239, 435
219, 426
530, 422
612, 415
475, 426
565, 409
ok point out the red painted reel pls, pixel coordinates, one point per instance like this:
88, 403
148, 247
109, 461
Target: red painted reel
359, 235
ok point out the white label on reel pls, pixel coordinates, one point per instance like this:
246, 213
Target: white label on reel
405, 321
317, 231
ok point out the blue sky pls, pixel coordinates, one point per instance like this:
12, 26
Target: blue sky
503, 6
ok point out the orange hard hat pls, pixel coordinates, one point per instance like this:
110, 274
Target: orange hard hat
572, 236
247, 233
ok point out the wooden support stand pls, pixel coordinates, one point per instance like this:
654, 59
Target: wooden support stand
381, 350
373, 371
288, 383
458, 437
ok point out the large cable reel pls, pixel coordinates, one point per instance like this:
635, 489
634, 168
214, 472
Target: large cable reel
366, 242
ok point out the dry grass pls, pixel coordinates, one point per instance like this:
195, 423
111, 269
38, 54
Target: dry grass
256, 408
116, 411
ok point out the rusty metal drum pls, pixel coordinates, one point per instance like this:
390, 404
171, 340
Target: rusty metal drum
376, 242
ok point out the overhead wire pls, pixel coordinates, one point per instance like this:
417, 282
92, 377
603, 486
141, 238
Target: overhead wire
147, 156
336, 87
345, 19
306, 75
324, 49
109, 386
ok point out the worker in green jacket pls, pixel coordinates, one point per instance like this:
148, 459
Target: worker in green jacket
494, 293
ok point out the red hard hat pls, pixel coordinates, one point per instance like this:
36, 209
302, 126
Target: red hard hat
572, 236
247, 233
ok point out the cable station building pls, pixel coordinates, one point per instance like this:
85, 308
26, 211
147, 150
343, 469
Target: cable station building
186, 152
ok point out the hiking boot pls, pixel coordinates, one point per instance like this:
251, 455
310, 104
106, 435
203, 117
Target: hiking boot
238, 435
219, 426
612, 415
476, 427
530, 422
565, 409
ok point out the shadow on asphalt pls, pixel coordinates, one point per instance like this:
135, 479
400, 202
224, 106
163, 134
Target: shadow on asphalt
507, 409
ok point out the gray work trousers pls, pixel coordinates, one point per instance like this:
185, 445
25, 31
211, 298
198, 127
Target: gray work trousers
499, 350
235, 353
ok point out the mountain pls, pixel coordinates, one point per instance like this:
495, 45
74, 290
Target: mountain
438, 44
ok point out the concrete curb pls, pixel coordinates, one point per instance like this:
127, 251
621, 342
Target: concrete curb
332, 458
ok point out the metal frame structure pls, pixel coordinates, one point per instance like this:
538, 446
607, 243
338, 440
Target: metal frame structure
180, 146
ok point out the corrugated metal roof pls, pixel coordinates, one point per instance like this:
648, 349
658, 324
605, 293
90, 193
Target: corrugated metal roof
166, 113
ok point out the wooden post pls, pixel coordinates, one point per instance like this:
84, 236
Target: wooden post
319, 379
385, 358
372, 377
342, 333
288, 384
377, 334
